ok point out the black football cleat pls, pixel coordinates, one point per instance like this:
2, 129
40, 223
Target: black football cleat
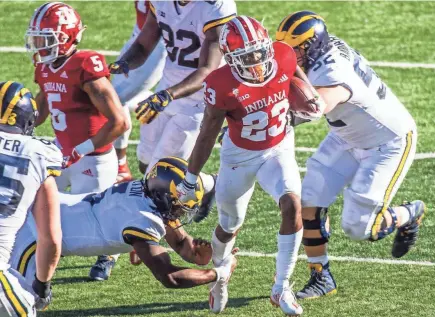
406, 235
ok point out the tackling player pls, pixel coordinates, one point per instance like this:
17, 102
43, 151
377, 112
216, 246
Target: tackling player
133, 215
251, 92
86, 113
137, 86
366, 154
27, 168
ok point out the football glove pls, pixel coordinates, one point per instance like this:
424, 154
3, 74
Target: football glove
119, 67
222, 134
186, 191
149, 109
71, 159
43, 292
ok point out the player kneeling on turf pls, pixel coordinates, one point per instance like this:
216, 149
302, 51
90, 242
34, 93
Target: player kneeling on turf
133, 215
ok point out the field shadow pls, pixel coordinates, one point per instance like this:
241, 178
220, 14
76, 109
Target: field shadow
150, 308
71, 280
64, 268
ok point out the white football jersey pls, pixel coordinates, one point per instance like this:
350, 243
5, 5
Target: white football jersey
183, 29
373, 115
104, 223
25, 163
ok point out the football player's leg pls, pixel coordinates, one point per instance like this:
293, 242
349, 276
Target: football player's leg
16, 296
367, 214
279, 177
234, 189
150, 136
328, 171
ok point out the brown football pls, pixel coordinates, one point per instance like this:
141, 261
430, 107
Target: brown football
301, 96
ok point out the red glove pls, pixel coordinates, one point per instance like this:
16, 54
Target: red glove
71, 159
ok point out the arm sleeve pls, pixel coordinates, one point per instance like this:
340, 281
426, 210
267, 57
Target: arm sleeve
213, 96
145, 228
50, 157
220, 12
93, 67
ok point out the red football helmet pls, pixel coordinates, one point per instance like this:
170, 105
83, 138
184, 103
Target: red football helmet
247, 48
54, 31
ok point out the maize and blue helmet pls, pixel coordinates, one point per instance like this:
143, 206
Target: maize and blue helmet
18, 109
306, 32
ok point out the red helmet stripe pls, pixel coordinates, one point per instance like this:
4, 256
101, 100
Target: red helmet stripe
250, 26
241, 28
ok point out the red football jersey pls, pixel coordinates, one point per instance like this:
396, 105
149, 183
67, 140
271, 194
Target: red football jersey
142, 7
73, 116
256, 113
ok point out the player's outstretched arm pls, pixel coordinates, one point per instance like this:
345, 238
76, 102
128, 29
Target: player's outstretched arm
157, 259
195, 251
209, 59
333, 96
41, 103
46, 212
145, 43
105, 99
211, 126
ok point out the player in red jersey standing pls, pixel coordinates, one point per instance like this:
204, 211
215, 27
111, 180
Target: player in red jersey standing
251, 92
137, 86
86, 113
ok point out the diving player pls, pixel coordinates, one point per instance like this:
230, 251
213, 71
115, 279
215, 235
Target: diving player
130, 216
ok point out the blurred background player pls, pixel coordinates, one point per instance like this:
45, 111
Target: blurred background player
134, 215
137, 86
170, 119
366, 154
27, 166
86, 114
251, 92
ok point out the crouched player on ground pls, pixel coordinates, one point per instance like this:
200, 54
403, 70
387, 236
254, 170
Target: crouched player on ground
132, 215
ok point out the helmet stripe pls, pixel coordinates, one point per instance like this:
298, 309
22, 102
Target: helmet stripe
44, 9
298, 22
12, 104
250, 27
36, 14
3, 91
241, 29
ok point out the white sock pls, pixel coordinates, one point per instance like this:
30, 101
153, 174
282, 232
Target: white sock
402, 214
207, 181
221, 250
122, 160
323, 259
288, 247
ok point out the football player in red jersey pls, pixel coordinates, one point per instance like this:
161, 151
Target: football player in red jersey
253, 97
86, 113
137, 86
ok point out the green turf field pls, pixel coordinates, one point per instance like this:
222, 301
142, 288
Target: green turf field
382, 31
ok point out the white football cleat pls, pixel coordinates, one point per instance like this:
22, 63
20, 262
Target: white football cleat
218, 296
284, 298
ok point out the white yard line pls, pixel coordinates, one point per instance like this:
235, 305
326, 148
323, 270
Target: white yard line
18, 49
418, 156
346, 259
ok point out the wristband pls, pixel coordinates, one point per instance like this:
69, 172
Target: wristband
191, 178
85, 147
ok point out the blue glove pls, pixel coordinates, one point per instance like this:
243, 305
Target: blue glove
149, 109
